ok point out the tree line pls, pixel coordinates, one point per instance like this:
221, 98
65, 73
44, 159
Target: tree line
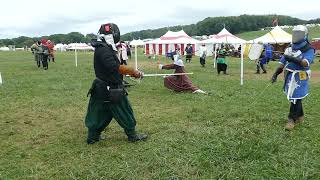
213, 25
208, 26
72, 37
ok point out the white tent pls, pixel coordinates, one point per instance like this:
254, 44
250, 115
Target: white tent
138, 42
169, 42
4, 49
60, 47
79, 46
275, 36
224, 37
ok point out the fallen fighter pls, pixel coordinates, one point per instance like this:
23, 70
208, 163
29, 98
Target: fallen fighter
179, 83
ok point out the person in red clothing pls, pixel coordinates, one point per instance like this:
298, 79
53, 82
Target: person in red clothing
51, 51
179, 83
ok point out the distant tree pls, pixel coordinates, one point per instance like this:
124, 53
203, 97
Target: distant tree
90, 36
208, 26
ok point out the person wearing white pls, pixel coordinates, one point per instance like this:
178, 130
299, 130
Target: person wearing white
122, 53
203, 54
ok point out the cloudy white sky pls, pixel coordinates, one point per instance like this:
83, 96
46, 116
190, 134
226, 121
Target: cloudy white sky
44, 17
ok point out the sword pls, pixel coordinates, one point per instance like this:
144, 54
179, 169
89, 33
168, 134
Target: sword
255, 100
176, 74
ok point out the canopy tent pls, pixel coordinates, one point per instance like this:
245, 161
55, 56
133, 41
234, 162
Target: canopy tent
79, 46
169, 41
225, 37
138, 42
4, 49
60, 47
275, 36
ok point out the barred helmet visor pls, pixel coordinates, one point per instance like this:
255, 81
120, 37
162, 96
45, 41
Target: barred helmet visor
298, 36
110, 28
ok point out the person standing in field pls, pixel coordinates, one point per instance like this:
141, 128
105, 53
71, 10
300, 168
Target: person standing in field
296, 63
35, 51
128, 50
221, 61
268, 52
122, 53
261, 63
203, 55
51, 51
189, 52
108, 97
44, 53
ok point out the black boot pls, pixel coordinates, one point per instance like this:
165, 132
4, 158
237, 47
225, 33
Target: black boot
137, 137
93, 137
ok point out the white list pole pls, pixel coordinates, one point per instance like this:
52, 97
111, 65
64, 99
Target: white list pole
0, 79
76, 55
136, 56
215, 56
241, 76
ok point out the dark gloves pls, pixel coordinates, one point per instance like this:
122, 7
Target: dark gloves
292, 59
275, 75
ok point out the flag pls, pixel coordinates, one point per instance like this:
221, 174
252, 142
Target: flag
275, 22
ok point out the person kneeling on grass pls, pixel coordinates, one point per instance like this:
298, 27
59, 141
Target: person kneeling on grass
179, 83
108, 96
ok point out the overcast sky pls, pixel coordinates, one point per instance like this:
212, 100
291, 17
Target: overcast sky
44, 17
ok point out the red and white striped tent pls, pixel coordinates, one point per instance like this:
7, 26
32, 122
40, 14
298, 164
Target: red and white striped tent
169, 41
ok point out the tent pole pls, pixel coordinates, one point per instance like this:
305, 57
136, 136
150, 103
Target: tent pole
241, 76
136, 57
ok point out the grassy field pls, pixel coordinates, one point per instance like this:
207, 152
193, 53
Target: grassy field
314, 32
236, 132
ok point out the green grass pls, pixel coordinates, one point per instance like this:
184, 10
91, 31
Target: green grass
314, 32
236, 132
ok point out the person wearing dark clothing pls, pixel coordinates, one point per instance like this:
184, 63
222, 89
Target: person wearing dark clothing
261, 63
43, 54
268, 52
189, 52
221, 61
108, 97
128, 51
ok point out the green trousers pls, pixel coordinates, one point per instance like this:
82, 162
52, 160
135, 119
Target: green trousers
100, 114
